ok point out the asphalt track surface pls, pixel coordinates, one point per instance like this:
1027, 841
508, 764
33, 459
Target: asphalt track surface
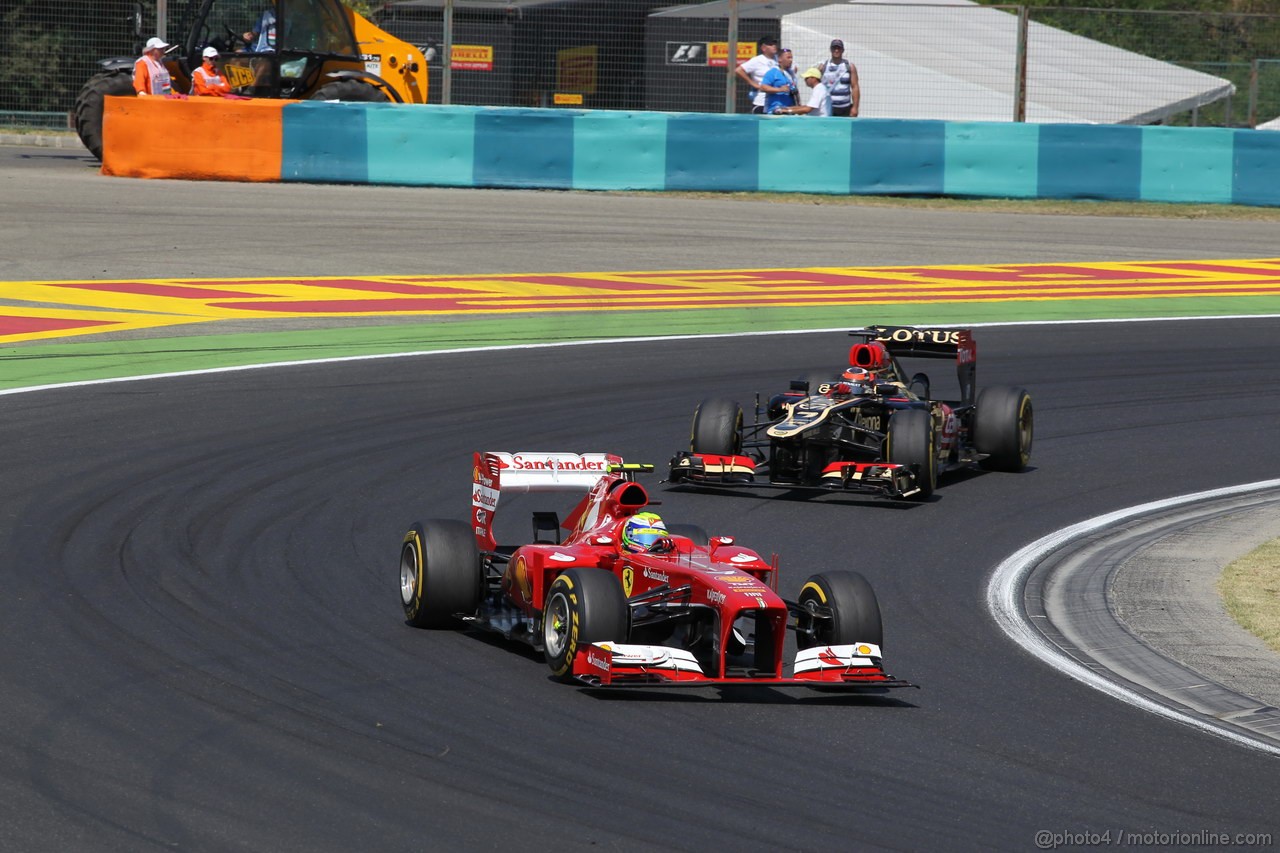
203, 647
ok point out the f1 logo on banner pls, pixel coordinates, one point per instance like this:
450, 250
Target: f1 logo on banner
686, 53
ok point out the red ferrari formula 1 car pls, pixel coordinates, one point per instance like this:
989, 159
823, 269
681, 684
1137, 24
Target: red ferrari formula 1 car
867, 429
624, 599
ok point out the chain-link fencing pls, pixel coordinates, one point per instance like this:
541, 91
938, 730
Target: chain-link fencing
951, 61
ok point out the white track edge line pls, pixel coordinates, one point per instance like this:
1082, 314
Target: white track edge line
1003, 601
594, 342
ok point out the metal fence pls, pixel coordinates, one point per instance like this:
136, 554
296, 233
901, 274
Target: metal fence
914, 60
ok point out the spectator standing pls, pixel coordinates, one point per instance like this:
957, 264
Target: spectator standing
841, 79
779, 85
150, 77
753, 70
206, 80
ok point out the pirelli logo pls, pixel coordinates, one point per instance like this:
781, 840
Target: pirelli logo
471, 57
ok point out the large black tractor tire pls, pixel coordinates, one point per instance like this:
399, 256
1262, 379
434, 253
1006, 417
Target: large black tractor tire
350, 90
1003, 426
698, 535
440, 573
855, 611
583, 606
912, 442
89, 103
717, 428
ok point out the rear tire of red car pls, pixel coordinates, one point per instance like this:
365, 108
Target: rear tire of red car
717, 427
855, 611
1003, 427
911, 442
583, 606
440, 573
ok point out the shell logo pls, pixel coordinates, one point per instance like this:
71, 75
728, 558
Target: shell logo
521, 572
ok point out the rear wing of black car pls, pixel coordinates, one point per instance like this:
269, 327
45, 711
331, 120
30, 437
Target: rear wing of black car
930, 342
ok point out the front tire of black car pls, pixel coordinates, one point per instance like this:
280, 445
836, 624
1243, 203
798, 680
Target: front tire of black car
717, 428
912, 442
1003, 427
583, 606
698, 535
855, 611
440, 573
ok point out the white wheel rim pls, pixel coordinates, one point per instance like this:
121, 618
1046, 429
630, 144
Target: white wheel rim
408, 573
555, 625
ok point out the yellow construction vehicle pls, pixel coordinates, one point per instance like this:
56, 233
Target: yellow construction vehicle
316, 49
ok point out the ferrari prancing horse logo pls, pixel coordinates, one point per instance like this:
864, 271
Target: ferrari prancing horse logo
628, 579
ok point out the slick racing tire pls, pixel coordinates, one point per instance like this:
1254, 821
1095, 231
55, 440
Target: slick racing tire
855, 612
911, 442
583, 606
919, 385
692, 532
1003, 424
717, 428
89, 103
350, 90
440, 574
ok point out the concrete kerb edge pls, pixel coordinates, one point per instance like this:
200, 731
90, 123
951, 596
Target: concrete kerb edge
1004, 602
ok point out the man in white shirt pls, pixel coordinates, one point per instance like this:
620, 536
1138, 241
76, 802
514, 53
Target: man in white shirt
753, 70
819, 103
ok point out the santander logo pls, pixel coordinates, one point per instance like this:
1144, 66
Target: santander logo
567, 462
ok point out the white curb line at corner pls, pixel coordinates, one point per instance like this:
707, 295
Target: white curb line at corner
1004, 592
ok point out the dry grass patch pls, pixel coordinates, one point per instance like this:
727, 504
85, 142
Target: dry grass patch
1250, 589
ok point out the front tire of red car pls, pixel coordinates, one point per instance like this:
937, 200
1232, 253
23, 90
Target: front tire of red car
583, 606
439, 573
854, 609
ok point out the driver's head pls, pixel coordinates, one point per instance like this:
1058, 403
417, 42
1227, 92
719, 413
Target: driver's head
642, 530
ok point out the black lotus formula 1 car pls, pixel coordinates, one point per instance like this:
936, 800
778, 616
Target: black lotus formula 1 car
870, 428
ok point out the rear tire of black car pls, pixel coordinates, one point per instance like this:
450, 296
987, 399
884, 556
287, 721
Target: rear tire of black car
692, 531
855, 611
911, 442
717, 428
583, 606
1003, 427
440, 573
350, 90
89, 103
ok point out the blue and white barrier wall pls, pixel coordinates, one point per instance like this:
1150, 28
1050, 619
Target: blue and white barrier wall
605, 150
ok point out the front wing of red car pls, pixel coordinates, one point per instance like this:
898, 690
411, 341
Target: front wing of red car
605, 664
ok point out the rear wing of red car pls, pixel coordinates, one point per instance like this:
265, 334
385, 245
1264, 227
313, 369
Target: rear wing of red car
930, 342
496, 472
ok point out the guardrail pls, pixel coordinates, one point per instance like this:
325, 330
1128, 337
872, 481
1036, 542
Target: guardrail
614, 150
